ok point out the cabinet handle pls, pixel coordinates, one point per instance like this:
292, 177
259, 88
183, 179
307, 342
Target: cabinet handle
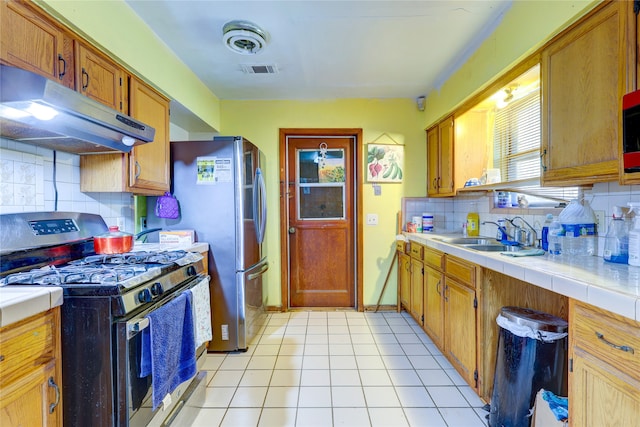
438, 287
53, 384
138, 170
64, 66
84, 73
542, 165
444, 293
617, 347
439, 179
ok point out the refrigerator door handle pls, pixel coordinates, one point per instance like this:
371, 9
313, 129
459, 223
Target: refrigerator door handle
258, 273
259, 195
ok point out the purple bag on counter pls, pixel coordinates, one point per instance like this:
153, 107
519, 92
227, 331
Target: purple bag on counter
167, 206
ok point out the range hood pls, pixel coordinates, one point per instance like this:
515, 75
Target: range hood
39, 111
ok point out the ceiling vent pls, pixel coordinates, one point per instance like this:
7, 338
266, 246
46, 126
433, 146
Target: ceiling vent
244, 37
260, 69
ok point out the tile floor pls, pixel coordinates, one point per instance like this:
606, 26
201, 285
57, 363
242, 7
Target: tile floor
338, 369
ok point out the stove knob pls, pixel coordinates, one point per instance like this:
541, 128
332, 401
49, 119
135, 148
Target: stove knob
156, 289
191, 270
144, 296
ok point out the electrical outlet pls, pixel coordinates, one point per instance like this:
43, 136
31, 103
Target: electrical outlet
372, 219
601, 222
143, 223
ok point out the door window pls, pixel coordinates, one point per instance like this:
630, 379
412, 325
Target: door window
321, 184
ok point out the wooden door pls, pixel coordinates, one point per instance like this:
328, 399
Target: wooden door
149, 163
32, 42
433, 309
460, 336
321, 221
417, 290
404, 273
99, 78
583, 79
445, 136
433, 160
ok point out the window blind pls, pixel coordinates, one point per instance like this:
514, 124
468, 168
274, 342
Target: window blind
516, 148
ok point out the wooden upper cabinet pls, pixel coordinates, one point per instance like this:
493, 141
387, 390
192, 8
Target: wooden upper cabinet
99, 78
31, 41
145, 170
149, 163
584, 75
440, 180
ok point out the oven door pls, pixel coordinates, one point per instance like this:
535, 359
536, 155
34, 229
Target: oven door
133, 394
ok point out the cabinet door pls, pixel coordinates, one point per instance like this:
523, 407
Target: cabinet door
34, 400
99, 78
404, 276
433, 161
433, 305
417, 290
445, 182
583, 80
460, 331
32, 42
600, 394
149, 163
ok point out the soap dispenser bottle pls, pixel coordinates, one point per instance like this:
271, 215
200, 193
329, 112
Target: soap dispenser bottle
473, 221
616, 243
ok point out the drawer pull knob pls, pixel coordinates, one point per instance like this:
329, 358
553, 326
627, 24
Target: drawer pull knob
617, 347
53, 384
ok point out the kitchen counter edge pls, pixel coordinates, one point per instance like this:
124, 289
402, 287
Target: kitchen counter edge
610, 286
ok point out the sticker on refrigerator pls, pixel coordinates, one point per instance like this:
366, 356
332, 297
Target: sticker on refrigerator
212, 170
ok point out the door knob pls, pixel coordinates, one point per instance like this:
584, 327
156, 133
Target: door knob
292, 230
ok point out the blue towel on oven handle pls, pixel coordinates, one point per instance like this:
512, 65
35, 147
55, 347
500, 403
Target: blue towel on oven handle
168, 347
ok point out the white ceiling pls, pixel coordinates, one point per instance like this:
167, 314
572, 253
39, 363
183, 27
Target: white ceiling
326, 49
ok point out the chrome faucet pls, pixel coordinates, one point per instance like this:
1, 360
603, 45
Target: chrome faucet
524, 237
502, 233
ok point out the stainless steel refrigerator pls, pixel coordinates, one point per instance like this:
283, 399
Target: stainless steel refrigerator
220, 188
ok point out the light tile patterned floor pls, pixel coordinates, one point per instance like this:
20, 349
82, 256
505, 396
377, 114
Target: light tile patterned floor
338, 369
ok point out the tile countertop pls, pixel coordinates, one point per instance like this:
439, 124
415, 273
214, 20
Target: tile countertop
613, 287
194, 247
20, 302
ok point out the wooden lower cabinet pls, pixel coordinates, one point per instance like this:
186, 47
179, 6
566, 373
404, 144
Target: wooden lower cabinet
417, 291
604, 377
30, 372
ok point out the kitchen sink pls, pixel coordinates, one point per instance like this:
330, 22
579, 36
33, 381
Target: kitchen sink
494, 248
471, 241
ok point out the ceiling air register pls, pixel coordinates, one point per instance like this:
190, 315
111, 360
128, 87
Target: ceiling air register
244, 37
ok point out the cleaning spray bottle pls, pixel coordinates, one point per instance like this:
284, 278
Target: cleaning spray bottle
616, 242
634, 235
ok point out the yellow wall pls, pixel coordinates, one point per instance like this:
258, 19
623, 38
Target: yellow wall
526, 26
260, 122
114, 27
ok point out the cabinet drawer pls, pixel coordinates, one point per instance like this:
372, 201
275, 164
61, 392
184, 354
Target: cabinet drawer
433, 258
26, 345
416, 250
463, 271
612, 338
401, 246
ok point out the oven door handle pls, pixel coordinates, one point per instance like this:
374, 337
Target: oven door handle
136, 326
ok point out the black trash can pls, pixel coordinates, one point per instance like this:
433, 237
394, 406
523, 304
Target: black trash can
532, 354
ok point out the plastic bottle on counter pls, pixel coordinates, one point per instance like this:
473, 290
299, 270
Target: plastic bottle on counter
579, 223
616, 242
545, 232
634, 236
427, 222
555, 237
473, 221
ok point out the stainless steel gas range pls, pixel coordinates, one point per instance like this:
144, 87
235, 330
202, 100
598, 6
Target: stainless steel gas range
107, 318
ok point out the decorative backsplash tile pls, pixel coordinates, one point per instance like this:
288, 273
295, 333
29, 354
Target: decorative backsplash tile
27, 184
